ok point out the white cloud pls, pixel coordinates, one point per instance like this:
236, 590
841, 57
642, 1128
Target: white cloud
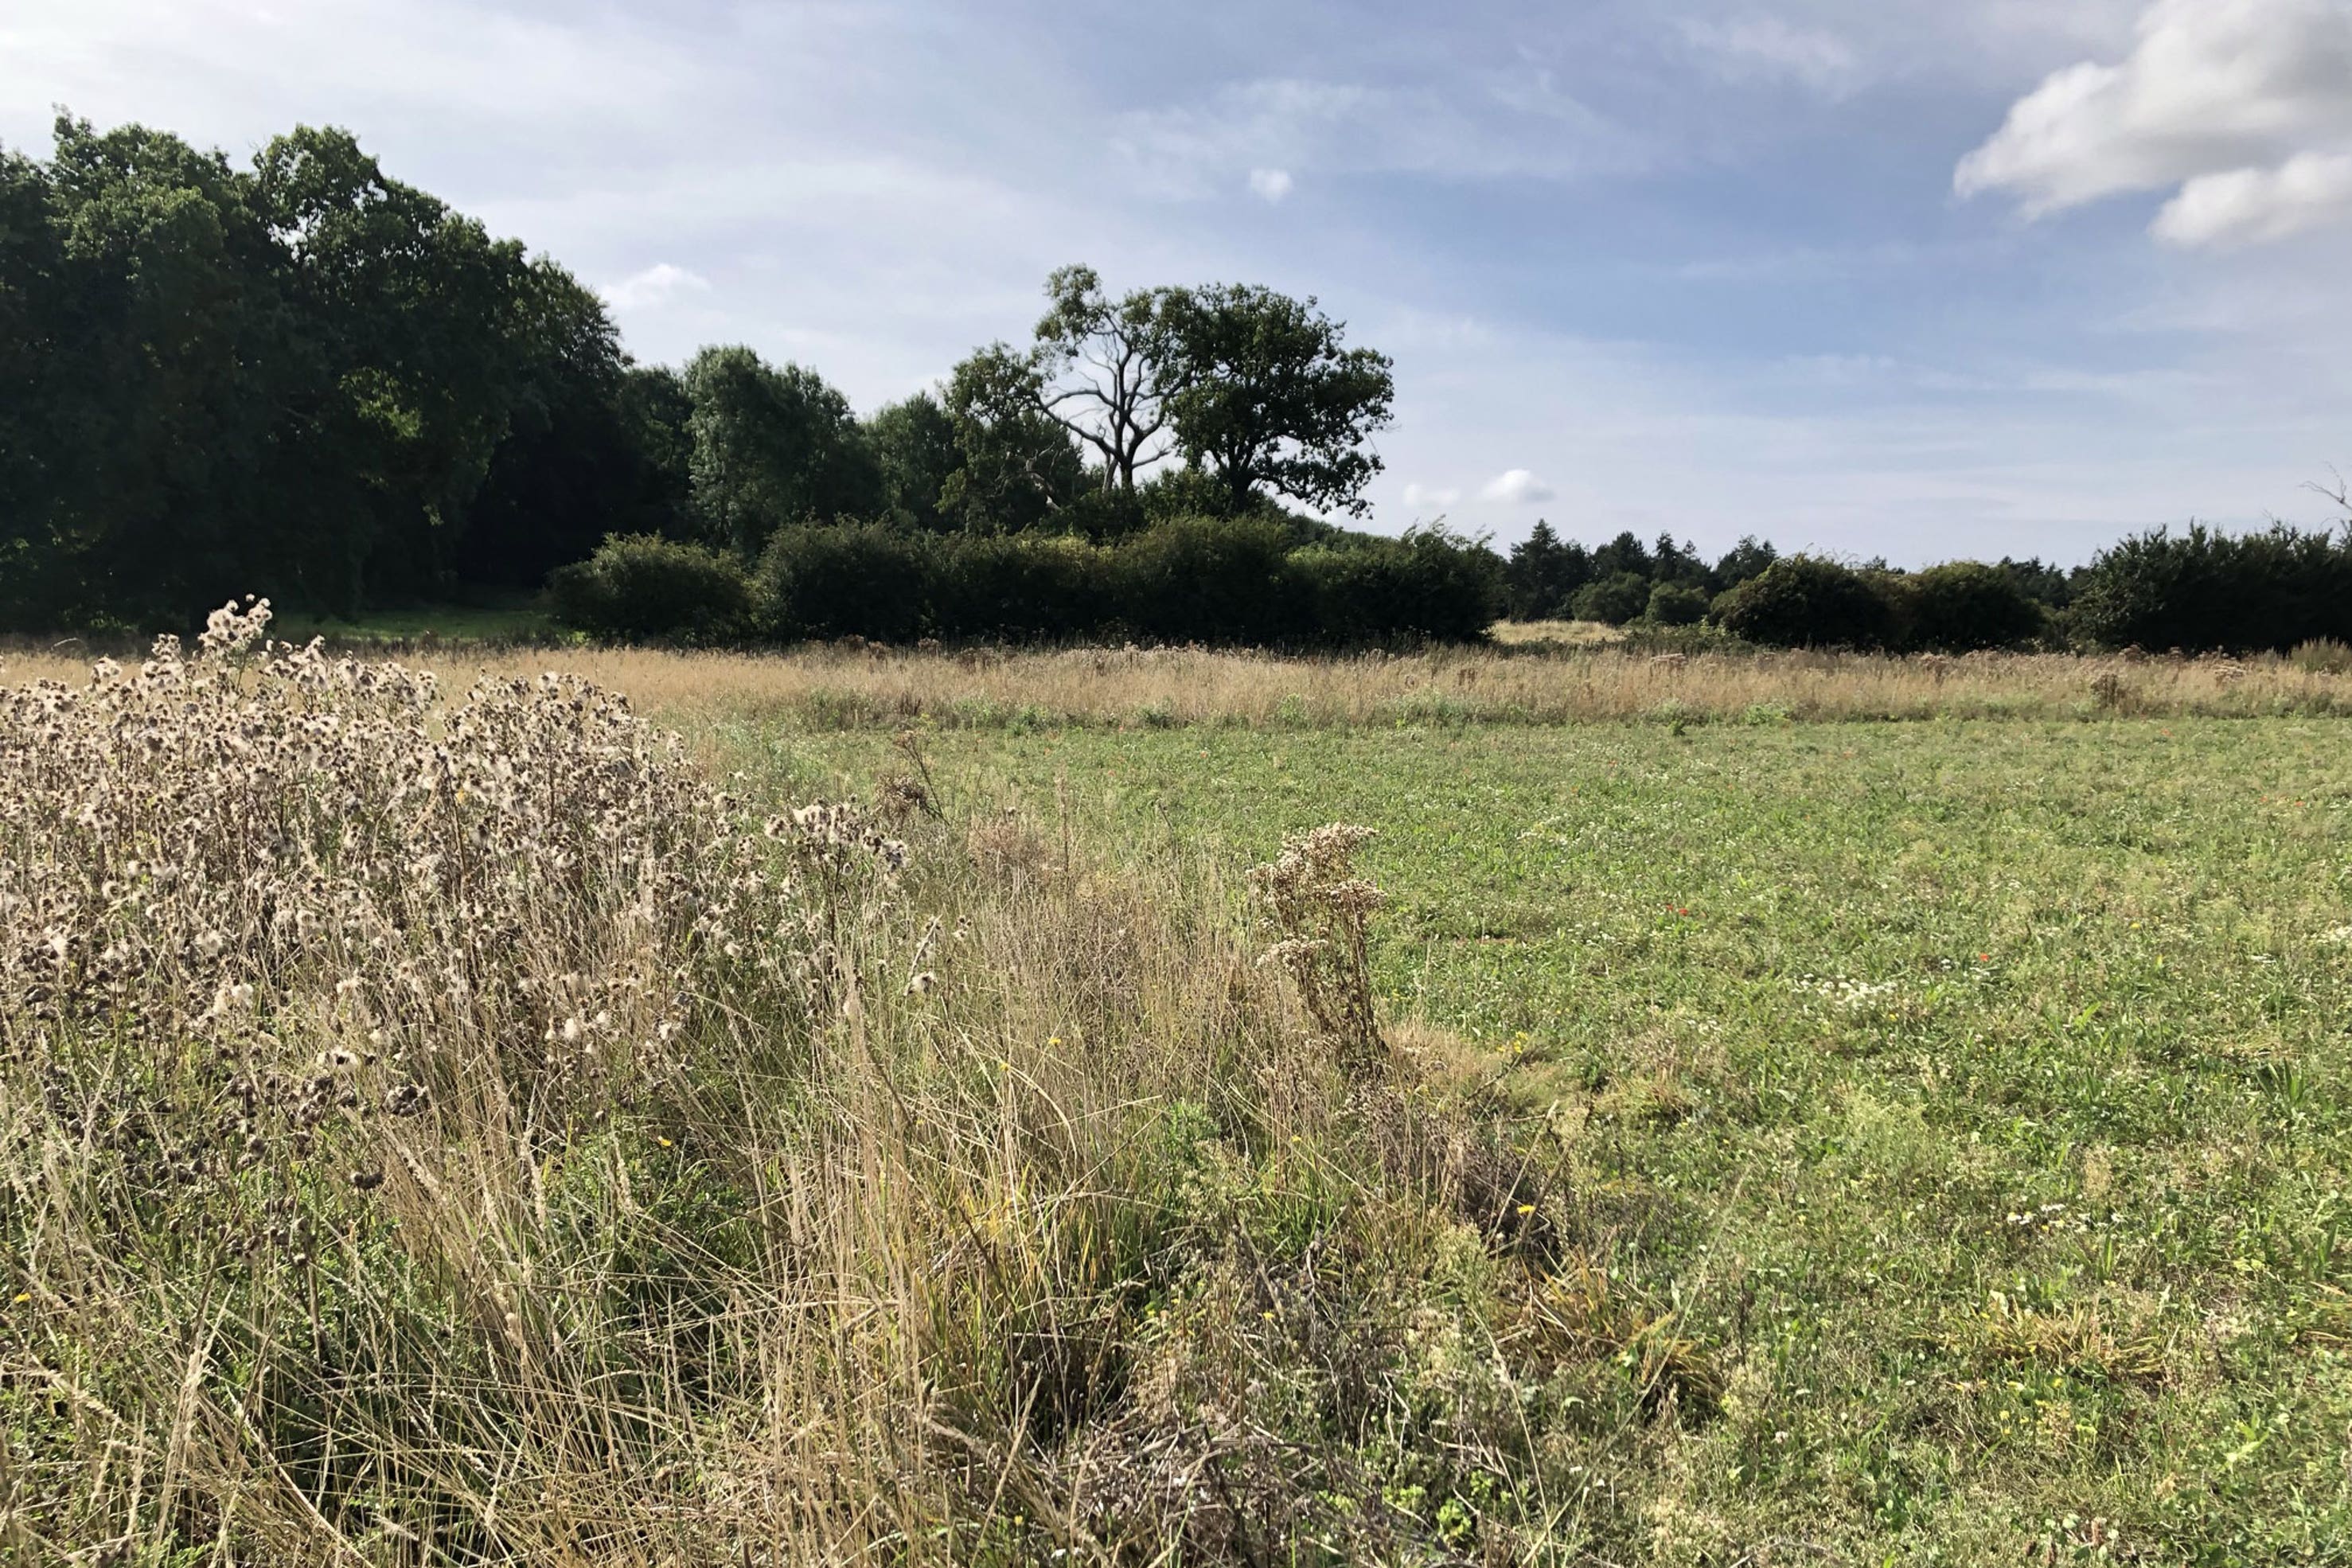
1517, 488
1270, 184
2250, 207
1768, 49
1424, 495
2245, 105
657, 285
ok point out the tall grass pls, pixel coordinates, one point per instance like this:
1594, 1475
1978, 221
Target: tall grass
451, 1130
837, 686
833, 686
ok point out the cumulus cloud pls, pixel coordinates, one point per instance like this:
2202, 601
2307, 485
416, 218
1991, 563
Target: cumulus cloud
657, 285
1270, 185
2245, 106
1516, 488
1424, 495
2250, 206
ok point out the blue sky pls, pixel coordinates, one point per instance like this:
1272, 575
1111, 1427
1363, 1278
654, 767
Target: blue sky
1924, 280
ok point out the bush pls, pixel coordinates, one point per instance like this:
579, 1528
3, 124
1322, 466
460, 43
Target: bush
1615, 599
1676, 605
1964, 605
641, 585
860, 579
1429, 584
2201, 590
1020, 587
1213, 580
1803, 601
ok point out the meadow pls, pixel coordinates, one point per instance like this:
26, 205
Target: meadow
1793, 1138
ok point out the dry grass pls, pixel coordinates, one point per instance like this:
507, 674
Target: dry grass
450, 1131
1514, 683
828, 688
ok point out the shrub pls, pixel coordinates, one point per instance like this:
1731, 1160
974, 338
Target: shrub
1804, 601
1676, 605
640, 585
1020, 587
1615, 599
1207, 579
1429, 584
1101, 515
2202, 590
855, 578
1964, 605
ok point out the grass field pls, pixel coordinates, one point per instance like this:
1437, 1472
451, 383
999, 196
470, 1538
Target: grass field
1971, 1094
517, 622
1798, 1141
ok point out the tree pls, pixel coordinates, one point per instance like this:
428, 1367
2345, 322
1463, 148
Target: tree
1019, 466
1543, 574
1803, 601
572, 467
1676, 562
419, 338
1101, 372
1963, 606
1622, 554
1265, 396
1747, 559
2202, 590
914, 446
1676, 605
1615, 599
167, 353
772, 445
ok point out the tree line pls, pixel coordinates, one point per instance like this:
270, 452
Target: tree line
2197, 590
302, 377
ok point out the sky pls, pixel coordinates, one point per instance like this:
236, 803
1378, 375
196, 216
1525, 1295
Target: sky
1918, 279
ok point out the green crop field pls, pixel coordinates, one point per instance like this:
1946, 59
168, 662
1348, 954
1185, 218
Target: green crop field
1971, 1098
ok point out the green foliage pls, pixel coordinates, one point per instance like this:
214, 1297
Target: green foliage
914, 447
1806, 601
1266, 399
1209, 579
1019, 468
1749, 558
638, 586
1676, 605
772, 446
1429, 585
854, 579
1020, 587
1614, 599
1544, 575
1964, 605
294, 378
2203, 590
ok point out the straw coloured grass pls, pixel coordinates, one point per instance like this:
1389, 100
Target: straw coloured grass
840, 688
